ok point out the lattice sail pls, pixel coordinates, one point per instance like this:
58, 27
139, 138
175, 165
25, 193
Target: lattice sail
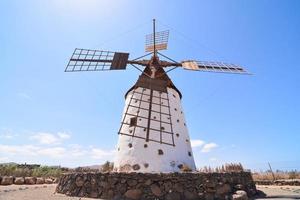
213, 67
96, 60
161, 41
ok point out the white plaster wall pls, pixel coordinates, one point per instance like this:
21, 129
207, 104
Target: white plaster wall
138, 154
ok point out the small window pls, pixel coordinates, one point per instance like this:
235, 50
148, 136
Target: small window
162, 128
177, 120
133, 121
160, 152
175, 109
177, 134
145, 129
130, 145
174, 96
189, 153
145, 145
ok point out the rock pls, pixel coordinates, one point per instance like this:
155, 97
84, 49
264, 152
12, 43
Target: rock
19, 180
93, 195
40, 180
178, 187
79, 181
190, 195
148, 182
240, 195
136, 167
56, 180
131, 182
223, 189
30, 180
239, 187
168, 186
48, 181
133, 194
7, 180
155, 190
173, 196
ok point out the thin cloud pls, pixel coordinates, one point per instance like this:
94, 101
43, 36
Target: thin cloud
7, 134
70, 154
197, 143
24, 95
209, 147
100, 153
213, 159
50, 138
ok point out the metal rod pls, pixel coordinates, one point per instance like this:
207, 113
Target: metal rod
271, 171
140, 70
169, 58
154, 48
142, 56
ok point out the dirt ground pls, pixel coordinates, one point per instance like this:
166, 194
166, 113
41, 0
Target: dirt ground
46, 192
280, 192
33, 192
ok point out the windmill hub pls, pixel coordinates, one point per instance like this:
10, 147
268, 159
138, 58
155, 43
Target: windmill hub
153, 136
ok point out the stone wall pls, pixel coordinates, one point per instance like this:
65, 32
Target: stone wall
169, 186
9, 180
295, 182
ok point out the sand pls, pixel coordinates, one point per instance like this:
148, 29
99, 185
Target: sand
46, 192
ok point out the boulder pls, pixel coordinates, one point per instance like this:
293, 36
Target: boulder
178, 187
173, 196
132, 182
223, 189
19, 180
7, 180
190, 195
40, 180
30, 180
240, 195
155, 190
79, 181
134, 194
48, 181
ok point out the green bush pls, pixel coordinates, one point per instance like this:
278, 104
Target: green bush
42, 171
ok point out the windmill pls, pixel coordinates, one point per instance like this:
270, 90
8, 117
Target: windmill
153, 136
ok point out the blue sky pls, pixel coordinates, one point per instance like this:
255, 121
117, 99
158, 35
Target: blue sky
51, 117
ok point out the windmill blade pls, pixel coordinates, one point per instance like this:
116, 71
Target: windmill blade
213, 67
96, 60
161, 41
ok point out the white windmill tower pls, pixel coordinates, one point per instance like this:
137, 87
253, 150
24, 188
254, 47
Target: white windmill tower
153, 136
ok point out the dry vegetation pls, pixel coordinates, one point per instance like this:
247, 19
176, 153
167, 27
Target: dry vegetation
25, 170
278, 175
229, 167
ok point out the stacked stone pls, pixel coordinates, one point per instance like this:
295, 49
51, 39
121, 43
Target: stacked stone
294, 182
9, 180
168, 186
